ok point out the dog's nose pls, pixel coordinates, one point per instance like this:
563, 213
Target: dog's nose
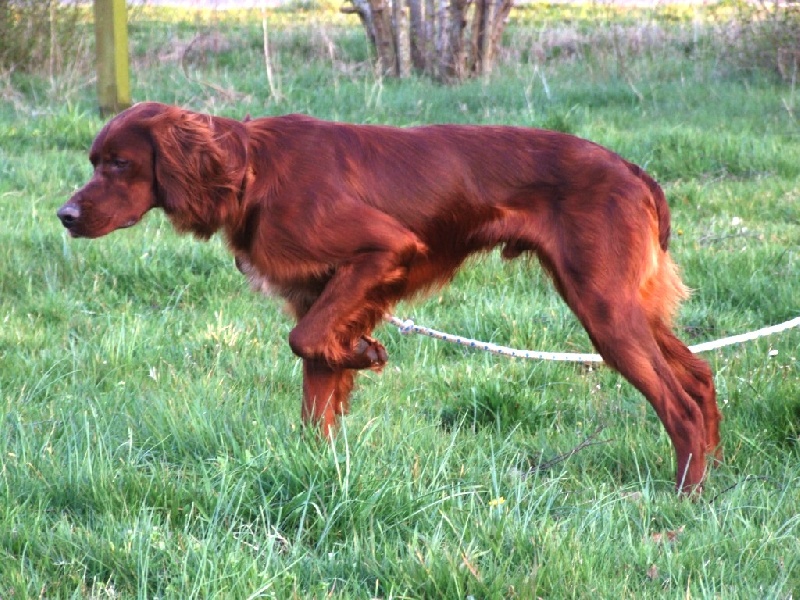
69, 214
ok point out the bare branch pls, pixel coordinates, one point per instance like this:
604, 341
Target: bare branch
589, 441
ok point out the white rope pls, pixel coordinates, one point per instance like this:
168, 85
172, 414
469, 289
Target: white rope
408, 326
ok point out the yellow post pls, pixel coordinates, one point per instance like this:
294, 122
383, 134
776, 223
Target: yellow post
111, 33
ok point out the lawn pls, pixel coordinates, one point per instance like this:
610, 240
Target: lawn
149, 403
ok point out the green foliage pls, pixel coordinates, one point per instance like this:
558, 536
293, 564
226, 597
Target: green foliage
149, 404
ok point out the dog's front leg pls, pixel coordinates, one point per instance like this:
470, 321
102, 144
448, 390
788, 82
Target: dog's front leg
326, 394
370, 269
336, 328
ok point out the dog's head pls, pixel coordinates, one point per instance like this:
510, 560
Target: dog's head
155, 155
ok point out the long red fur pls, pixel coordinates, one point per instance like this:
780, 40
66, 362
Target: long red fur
343, 221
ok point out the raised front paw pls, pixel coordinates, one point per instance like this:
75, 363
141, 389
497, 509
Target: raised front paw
367, 353
363, 352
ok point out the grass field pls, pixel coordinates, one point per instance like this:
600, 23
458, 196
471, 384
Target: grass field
149, 403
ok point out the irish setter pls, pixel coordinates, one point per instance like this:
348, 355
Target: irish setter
342, 221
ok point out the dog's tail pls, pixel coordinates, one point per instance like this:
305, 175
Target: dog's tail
662, 208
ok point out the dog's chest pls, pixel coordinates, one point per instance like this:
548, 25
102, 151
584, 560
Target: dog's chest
258, 282
298, 287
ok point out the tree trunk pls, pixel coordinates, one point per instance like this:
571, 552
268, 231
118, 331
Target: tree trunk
449, 40
386, 51
417, 33
402, 38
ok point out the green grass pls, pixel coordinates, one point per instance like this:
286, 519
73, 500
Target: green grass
149, 404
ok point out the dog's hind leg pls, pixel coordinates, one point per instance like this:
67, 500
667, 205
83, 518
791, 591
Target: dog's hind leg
611, 272
696, 379
660, 296
625, 341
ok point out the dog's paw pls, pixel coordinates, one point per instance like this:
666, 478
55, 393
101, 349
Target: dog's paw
367, 353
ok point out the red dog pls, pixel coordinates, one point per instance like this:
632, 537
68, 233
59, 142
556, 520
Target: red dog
343, 221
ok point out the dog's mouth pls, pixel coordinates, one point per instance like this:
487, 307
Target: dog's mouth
79, 226
72, 233
74, 230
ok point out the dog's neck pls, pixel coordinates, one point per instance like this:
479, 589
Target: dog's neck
234, 139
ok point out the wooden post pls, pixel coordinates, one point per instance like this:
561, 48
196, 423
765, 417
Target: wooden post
111, 33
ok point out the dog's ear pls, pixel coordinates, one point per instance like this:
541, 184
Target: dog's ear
195, 184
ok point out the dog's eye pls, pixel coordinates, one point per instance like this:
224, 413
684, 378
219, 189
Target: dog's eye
119, 163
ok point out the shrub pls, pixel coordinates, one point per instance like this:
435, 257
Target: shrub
39, 36
765, 36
